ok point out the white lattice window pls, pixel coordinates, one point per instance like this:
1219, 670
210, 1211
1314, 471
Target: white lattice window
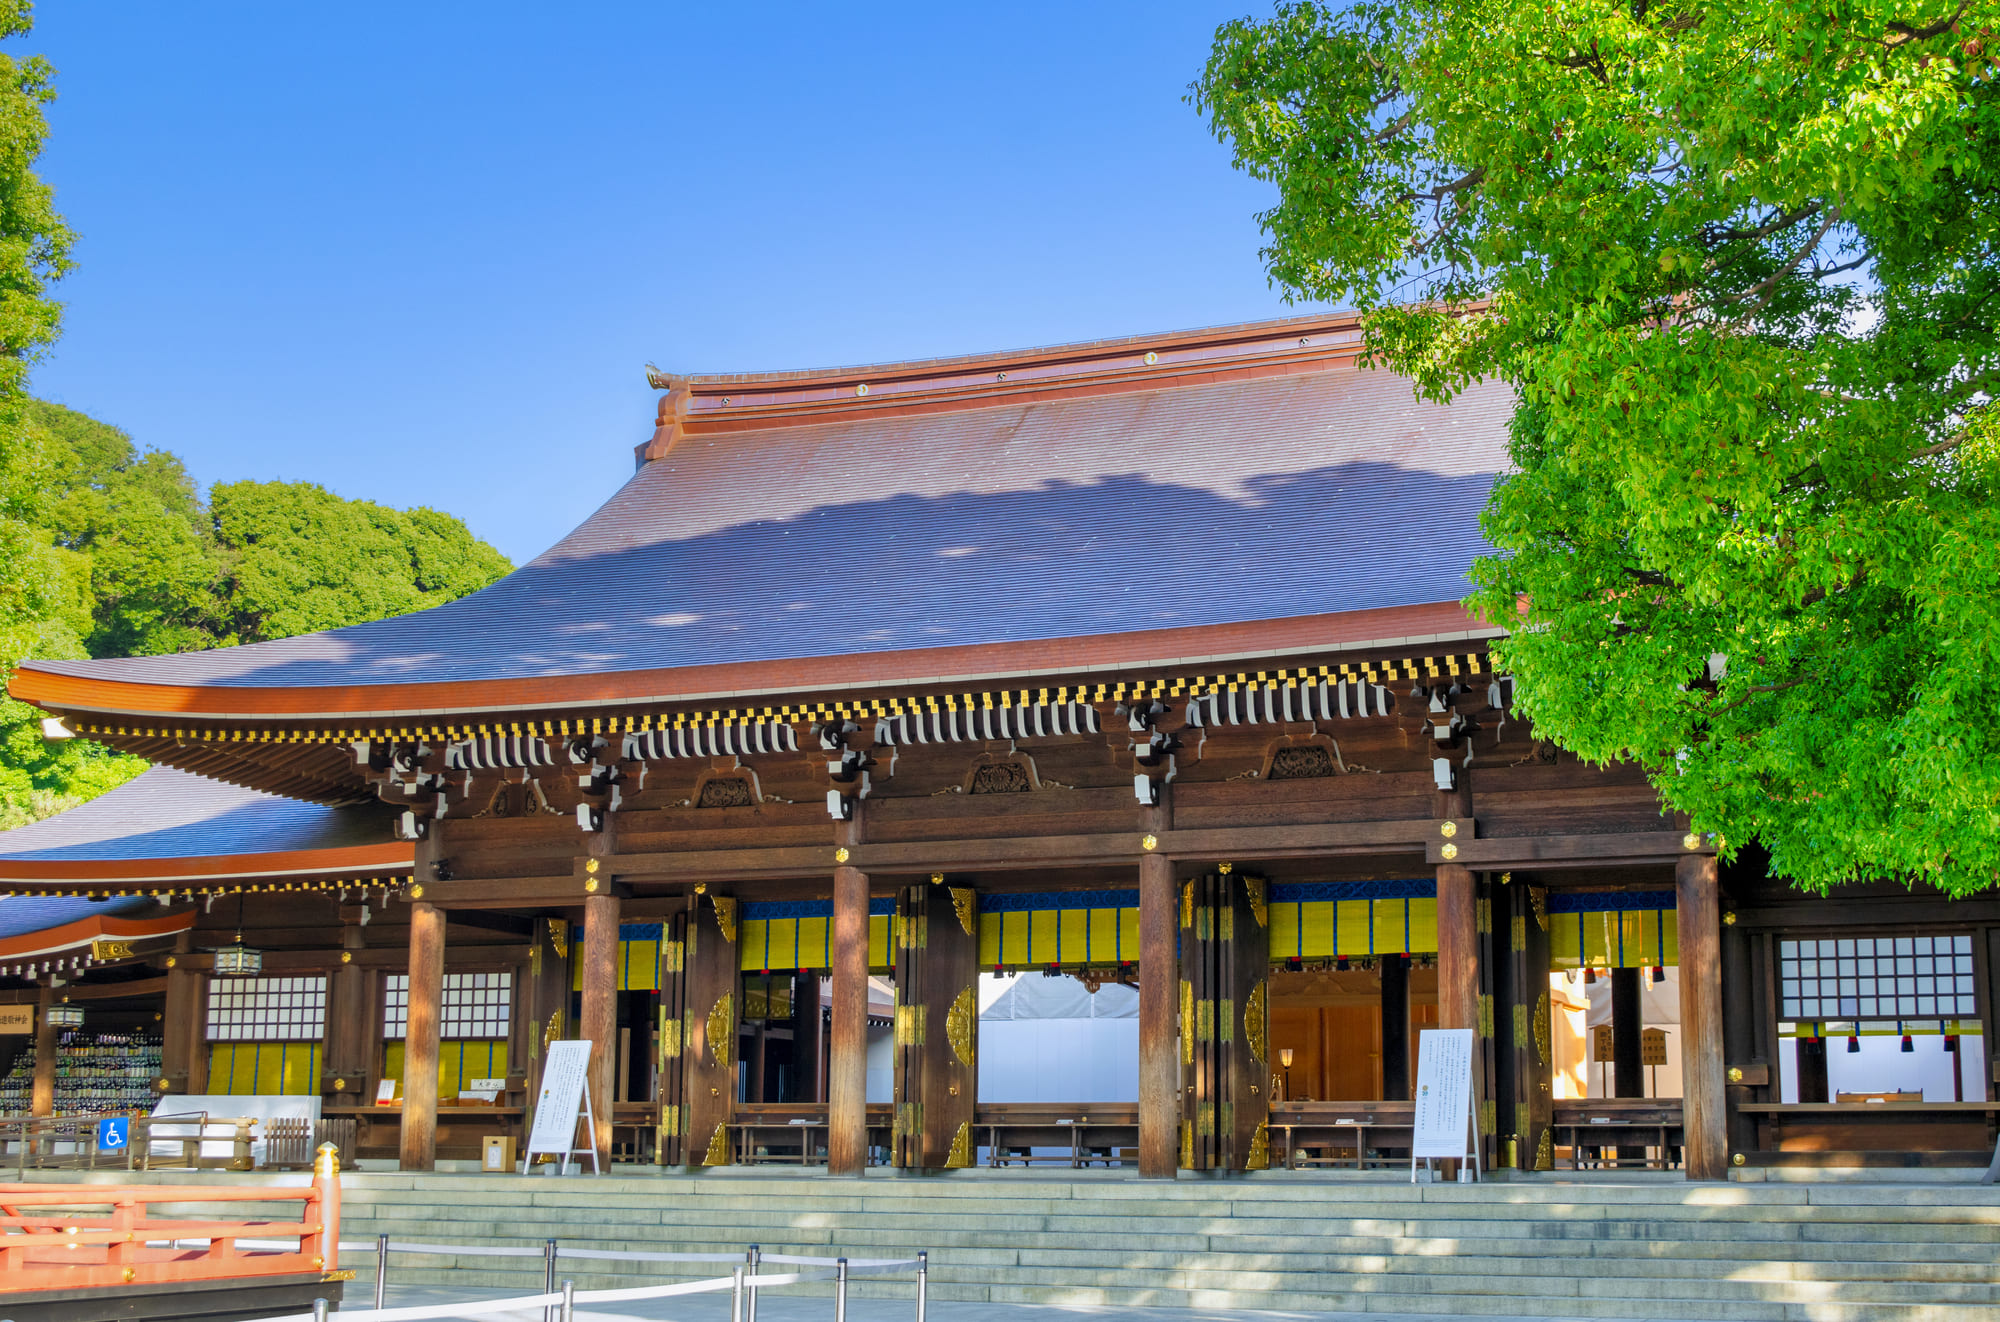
266, 1009
475, 1005
1883, 977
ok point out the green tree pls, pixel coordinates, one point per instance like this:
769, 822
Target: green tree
1738, 264
140, 522
44, 588
299, 559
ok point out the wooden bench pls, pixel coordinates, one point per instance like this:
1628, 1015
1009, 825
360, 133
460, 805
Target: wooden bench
1607, 1127
796, 1132
1341, 1133
1871, 1133
1084, 1133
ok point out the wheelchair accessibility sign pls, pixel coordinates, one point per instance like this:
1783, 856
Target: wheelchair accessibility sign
113, 1134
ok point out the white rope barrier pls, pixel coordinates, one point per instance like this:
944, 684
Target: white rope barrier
487, 1307
619, 1255
853, 1264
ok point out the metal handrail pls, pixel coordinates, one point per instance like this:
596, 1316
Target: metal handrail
35, 1140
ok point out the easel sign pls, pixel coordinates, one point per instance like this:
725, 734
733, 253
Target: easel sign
1447, 1122
563, 1100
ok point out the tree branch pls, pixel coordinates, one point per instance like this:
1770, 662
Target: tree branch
1758, 691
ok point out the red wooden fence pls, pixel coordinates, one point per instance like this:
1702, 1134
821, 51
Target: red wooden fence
92, 1235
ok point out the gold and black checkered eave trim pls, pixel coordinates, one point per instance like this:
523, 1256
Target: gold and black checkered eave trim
1454, 666
195, 888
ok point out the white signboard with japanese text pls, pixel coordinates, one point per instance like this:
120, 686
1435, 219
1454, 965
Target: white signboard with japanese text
564, 1097
1446, 1107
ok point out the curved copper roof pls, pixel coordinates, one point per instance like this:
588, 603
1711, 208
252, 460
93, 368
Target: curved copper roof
168, 825
1247, 491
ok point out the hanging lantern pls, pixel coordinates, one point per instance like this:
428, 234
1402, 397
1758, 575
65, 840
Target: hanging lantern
64, 1015
239, 960
1908, 1044
1853, 1044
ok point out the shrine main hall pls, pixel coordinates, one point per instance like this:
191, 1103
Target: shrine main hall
876, 694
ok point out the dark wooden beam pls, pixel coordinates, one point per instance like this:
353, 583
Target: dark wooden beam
1563, 851
487, 920
93, 991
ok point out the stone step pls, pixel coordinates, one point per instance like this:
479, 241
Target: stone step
702, 1222
1149, 1251
666, 1211
880, 1239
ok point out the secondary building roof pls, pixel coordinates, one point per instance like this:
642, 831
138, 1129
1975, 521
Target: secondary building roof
1250, 491
170, 830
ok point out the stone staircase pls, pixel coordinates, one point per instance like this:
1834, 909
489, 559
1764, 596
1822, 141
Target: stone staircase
1825, 1252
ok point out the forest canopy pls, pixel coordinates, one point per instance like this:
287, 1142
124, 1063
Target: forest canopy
126, 557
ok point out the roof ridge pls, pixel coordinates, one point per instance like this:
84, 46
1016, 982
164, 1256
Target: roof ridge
955, 362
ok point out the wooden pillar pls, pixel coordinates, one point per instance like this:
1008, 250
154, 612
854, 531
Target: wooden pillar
1159, 1027
1628, 1073
349, 1027
1739, 1036
937, 1026
805, 1037
1225, 1070
710, 995
847, 1065
1524, 1073
1458, 948
184, 1024
670, 1095
420, 1040
1811, 1057
599, 1018
1395, 1028
1703, 1116
42, 1100
544, 1004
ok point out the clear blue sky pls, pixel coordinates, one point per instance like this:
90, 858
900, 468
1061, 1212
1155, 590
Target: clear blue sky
421, 253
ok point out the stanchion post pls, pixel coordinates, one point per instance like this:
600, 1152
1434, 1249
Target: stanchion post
381, 1269
840, 1290
736, 1295
548, 1277
754, 1256
319, 1310
923, 1280
569, 1301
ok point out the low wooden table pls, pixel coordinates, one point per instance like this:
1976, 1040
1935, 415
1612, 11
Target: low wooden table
1299, 1128
460, 1129
1871, 1133
1653, 1123
1086, 1132
805, 1123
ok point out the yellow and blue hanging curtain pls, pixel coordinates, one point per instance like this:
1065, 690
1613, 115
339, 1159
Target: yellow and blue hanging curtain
787, 936
459, 1063
1323, 920
248, 1069
1613, 929
1074, 929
